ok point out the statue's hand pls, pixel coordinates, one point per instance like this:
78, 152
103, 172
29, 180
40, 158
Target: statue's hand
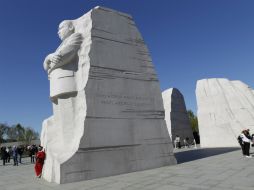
46, 63
55, 59
51, 61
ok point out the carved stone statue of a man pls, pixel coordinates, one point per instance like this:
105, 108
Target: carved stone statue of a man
108, 115
62, 64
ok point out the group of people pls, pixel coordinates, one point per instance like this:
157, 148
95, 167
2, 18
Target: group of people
186, 142
36, 154
245, 140
15, 152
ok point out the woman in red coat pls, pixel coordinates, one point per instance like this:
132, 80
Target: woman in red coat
40, 157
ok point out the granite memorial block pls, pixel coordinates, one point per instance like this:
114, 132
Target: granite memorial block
225, 108
108, 115
176, 115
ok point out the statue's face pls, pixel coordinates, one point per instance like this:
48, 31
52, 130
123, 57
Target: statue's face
64, 31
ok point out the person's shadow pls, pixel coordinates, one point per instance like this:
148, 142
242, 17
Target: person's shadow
187, 156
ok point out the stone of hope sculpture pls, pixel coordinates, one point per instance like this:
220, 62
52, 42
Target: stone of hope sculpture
108, 115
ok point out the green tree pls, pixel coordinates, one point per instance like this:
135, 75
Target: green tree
193, 120
29, 135
20, 131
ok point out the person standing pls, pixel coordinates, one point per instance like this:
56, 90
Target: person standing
15, 156
177, 141
4, 155
8, 155
32, 152
40, 157
186, 142
20, 153
246, 143
252, 139
240, 141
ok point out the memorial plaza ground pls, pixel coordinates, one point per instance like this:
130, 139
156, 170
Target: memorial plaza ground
198, 169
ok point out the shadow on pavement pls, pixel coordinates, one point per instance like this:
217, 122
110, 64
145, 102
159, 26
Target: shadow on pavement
187, 156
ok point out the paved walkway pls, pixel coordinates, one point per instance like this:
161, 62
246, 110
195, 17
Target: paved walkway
227, 169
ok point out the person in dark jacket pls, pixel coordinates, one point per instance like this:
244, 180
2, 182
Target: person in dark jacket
240, 141
15, 156
246, 143
3, 154
31, 153
20, 153
8, 156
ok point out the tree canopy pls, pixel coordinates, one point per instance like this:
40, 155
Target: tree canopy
193, 120
17, 133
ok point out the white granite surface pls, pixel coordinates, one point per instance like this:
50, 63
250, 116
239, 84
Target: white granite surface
225, 108
112, 120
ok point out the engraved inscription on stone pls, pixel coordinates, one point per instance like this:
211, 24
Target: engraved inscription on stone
124, 100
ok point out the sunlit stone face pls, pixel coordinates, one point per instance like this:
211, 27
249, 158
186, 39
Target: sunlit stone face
64, 30
225, 108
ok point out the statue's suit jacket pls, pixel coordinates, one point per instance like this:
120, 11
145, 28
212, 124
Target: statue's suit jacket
62, 75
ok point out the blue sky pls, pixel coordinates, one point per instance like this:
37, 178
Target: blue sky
188, 40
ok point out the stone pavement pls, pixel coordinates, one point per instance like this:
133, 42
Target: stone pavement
214, 169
